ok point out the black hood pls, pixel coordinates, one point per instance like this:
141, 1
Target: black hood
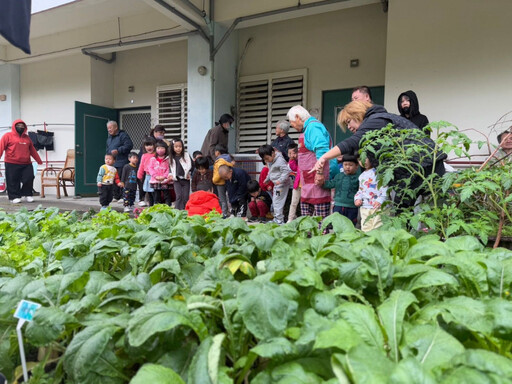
414, 109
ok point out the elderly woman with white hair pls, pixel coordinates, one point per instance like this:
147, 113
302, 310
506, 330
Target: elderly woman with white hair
282, 140
314, 141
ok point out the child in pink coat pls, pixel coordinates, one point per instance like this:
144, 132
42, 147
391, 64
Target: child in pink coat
158, 168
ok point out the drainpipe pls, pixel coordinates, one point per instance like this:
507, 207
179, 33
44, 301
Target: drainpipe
184, 17
90, 51
269, 13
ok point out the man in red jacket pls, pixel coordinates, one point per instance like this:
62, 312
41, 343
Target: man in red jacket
19, 173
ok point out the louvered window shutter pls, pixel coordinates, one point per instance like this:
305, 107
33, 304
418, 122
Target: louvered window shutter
172, 111
263, 100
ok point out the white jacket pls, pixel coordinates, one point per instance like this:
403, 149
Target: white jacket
186, 163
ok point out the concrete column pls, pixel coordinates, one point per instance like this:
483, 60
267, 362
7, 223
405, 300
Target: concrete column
10, 87
200, 96
224, 81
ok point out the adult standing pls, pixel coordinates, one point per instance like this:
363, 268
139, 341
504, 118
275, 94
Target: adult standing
362, 93
314, 142
19, 173
282, 140
157, 133
217, 135
361, 117
409, 108
119, 144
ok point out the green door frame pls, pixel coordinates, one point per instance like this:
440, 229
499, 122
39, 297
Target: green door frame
333, 102
90, 144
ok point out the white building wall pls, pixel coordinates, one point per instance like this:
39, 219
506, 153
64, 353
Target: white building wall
48, 93
456, 56
49, 90
146, 69
102, 83
324, 44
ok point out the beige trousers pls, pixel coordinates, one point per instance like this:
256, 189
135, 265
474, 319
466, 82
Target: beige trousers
368, 223
292, 215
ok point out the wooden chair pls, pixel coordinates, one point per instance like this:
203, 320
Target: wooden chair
60, 177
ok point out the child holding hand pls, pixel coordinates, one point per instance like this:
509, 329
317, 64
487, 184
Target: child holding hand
345, 185
370, 198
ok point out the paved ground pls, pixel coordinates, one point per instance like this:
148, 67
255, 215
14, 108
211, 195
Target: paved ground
70, 203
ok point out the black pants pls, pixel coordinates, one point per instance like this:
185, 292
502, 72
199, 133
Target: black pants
19, 179
404, 201
349, 213
129, 197
118, 191
162, 196
106, 193
239, 208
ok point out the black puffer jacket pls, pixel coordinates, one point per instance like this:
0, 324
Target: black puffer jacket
376, 117
414, 114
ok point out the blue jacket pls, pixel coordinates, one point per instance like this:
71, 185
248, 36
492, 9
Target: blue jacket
318, 140
237, 186
123, 144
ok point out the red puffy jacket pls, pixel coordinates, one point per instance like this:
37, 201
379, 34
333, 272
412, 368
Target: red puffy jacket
18, 148
202, 202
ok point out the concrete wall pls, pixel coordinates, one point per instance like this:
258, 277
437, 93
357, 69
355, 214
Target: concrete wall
456, 56
48, 93
102, 83
324, 44
224, 84
10, 87
146, 69
200, 90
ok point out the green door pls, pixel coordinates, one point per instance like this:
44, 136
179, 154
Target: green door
334, 101
90, 144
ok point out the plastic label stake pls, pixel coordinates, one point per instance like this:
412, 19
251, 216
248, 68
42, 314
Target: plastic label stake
24, 312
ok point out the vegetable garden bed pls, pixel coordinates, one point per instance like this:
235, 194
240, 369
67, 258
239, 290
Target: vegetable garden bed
171, 299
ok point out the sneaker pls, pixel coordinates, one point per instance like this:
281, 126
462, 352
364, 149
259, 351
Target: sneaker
127, 209
30, 199
103, 208
278, 222
142, 204
16, 201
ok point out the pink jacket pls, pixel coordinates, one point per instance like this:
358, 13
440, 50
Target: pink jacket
158, 168
143, 166
294, 166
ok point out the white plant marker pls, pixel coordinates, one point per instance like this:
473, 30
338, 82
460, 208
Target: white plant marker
24, 312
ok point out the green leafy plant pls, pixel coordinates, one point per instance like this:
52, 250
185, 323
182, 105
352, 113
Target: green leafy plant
168, 298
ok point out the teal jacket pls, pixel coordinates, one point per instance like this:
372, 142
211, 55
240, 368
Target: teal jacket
318, 140
345, 187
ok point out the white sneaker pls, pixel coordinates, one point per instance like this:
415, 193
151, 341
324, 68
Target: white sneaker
16, 201
142, 204
30, 199
127, 209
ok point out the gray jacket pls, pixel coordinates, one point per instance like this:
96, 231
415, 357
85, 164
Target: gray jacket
278, 170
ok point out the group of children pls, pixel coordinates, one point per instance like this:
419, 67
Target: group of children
164, 169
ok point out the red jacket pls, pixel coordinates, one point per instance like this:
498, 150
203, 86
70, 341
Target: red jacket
18, 148
261, 181
202, 202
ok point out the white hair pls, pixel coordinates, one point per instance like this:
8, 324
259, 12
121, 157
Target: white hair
284, 125
112, 122
298, 110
